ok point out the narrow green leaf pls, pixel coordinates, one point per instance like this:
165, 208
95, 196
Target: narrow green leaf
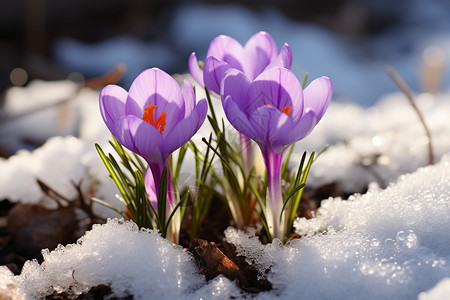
174, 211
162, 200
111, 170
304, 80
289, 197
298, 196
286, 161
181, 155
106, 204
258, 198
211, 107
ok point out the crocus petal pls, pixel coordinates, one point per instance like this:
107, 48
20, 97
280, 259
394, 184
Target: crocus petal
213, 72
300, 130
277, 87
189, 98
284, 59
195, 70
160, 89
185, 129
150, 188
236, 85
227, 49
112, 105
260, 50
140, 137
237, 118
317, 96
269, 124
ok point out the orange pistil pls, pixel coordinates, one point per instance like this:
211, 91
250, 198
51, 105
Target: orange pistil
148, 117
286, 110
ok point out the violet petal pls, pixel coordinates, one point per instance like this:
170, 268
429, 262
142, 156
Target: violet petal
213, 73
160, 89
237, 118
227, 49
277, 87
140, 137
270, 124
195, 70
189, 97
112, 105
185, 129
317, 95
259, 50
236, 85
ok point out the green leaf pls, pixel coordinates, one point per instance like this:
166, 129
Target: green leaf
289, 197
111, 170
304, 80
162, 200
106, 204
286, 161
299, 193
182, 202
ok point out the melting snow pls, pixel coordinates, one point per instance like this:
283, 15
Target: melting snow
390, 243
387, 243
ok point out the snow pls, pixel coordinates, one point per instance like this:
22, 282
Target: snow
376, 144
390, 243
440, 291
133, 261
387, 243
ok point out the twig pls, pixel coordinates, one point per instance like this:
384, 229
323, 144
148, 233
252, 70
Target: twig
407, 91
52, 193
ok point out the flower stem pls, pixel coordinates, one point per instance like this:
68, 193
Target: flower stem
247, 153
274, 199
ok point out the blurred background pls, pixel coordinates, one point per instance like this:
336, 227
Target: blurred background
349, 41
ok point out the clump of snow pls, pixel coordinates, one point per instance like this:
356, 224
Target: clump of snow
32, 114
60, 163
218, 288
390, 243
439, 292
131, 261
377, 144
249, 246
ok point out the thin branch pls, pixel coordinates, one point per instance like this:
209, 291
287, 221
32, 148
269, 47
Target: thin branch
407, 91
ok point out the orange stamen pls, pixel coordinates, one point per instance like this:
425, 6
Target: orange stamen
148, 117
286, 110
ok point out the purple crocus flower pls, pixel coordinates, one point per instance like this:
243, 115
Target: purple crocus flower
259, 53
275, 112
224, 52
153, 119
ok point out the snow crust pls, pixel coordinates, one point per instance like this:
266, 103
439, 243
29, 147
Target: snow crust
132, 261
385, 244
440, 291
376, 144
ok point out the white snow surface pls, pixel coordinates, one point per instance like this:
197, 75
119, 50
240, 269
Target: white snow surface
386, 244
377, 144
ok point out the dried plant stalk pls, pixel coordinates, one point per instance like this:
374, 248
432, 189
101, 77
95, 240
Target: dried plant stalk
407, 91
